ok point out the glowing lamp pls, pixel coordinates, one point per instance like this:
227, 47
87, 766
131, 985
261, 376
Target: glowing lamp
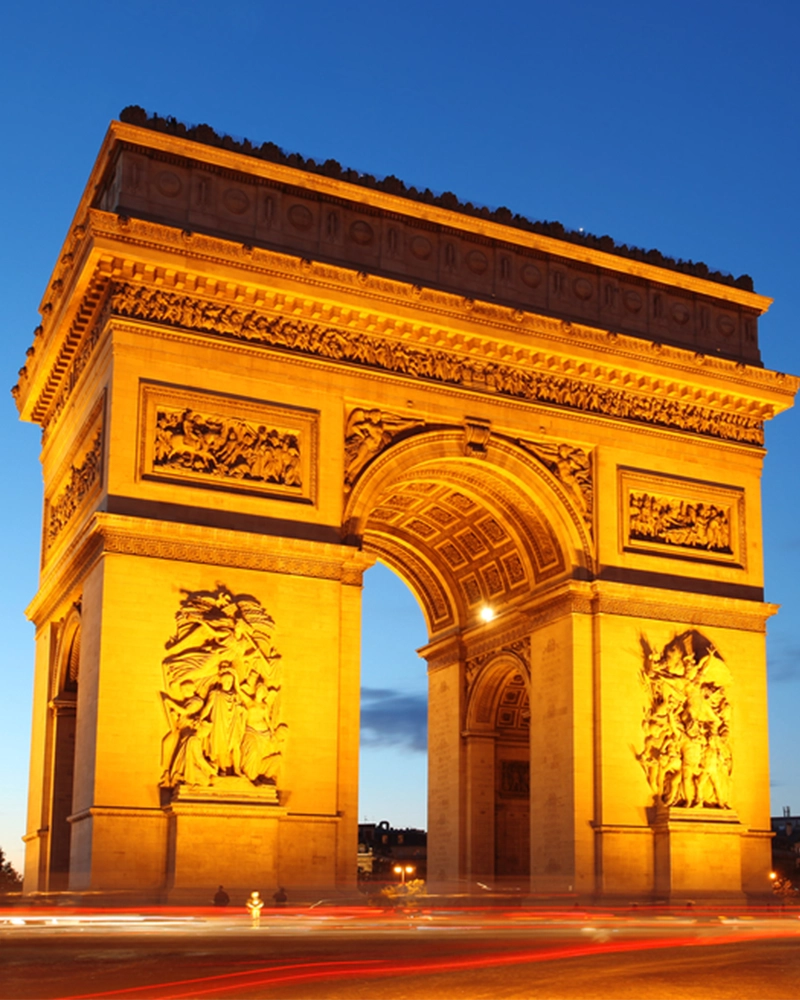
402, 871
486, 613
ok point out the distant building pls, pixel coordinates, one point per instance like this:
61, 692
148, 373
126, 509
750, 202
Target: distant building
381, 847
786, 845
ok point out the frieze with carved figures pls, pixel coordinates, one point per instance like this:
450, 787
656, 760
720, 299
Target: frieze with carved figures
228, 443
685, 518
363, 348
81, 480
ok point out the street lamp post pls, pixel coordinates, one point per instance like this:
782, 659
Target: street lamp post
402, 871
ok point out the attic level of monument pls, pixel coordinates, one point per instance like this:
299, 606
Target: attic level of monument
337, 222
202, 189
162, 199
135, 115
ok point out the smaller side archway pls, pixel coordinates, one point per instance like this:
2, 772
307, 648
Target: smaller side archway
63, 709
497, 759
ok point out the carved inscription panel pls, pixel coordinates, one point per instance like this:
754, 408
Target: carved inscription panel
222, 442
690, 519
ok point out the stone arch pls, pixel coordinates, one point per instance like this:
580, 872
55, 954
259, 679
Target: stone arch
497, 758
462, 530
486, 687
63, 723
67, 656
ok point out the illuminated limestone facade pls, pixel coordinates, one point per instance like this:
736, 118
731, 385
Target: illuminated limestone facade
254, 380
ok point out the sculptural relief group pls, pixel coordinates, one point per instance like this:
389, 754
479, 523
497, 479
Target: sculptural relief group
679, 522
687, 754
213, 445
222, 693
81, 480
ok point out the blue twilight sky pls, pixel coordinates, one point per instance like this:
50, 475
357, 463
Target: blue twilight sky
670, 125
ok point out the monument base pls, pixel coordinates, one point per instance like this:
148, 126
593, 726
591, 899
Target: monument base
228, 788
698, 855
213, 841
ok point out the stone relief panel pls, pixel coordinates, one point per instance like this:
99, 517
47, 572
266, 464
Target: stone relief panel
572, 466
222, 697
690, 519
79, 480
222, 442
686, 754
367, 432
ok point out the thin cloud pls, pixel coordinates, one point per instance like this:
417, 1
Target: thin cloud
392, 718
783, 663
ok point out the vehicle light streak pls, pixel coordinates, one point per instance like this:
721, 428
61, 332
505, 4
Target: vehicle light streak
227, 976
377, 968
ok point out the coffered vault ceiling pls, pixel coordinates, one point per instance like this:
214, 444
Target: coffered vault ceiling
458, 548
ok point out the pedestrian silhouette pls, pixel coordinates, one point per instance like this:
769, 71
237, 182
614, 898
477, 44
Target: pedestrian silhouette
280, 897
221, 898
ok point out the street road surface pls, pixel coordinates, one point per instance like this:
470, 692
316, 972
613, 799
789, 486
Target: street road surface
366, 953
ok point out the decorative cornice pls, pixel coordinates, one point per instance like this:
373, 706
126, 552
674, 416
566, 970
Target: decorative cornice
222, 547
684, 608
204, 248
747, 383
526, 378
72, 356
138, 536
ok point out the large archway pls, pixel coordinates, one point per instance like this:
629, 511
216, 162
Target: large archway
480, 536
393, 759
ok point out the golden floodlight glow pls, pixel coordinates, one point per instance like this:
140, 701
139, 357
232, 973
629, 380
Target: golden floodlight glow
526, 454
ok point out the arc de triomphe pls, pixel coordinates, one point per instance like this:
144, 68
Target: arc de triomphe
255, 378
